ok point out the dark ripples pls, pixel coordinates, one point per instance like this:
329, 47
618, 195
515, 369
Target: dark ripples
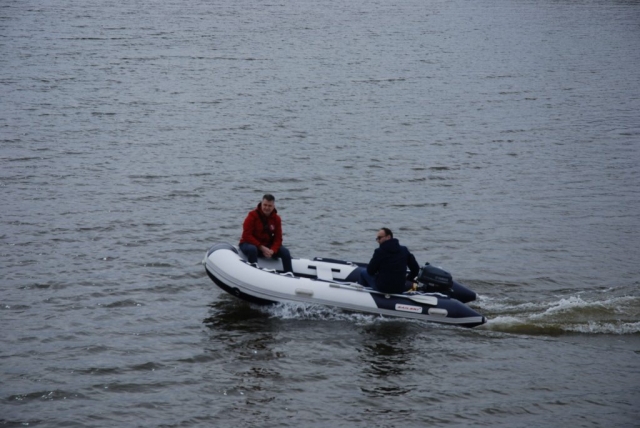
497, 139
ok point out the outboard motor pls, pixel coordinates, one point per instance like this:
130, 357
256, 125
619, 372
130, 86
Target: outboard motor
434, 279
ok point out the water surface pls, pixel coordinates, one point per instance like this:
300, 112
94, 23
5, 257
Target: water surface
498, 139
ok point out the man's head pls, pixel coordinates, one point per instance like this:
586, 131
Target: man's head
268, 204
384, 235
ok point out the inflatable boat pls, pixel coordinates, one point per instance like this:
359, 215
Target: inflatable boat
436, 297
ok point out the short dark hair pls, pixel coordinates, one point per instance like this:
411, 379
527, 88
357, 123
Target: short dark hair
269, 197
387, 231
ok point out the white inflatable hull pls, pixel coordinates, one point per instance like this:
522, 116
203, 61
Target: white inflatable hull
321, 282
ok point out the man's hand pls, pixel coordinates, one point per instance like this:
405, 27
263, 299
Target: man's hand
266, 251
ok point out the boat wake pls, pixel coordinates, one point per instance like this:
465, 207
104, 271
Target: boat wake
233, 311
304, 312
608, 312
566, 314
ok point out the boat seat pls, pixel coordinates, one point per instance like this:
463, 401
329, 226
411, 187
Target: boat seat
324, 273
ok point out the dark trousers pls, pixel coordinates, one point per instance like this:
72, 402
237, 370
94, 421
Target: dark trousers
252, 253
366, 279
370, 281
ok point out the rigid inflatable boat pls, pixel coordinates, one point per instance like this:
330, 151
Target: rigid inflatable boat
333, 283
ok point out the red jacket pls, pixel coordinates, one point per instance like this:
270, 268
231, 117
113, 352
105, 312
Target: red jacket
258, 229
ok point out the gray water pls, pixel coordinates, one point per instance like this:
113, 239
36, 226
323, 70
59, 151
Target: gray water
499, 139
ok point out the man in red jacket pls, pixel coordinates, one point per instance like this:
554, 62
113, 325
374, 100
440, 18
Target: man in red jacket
262, 234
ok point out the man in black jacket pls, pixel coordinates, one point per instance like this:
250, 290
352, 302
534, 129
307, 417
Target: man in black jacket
387, 270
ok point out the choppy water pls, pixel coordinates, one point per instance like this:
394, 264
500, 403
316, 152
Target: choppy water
497, 138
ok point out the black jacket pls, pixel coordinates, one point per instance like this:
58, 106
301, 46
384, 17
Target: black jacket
389, 263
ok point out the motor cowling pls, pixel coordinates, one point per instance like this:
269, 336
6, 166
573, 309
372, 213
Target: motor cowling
434, 278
